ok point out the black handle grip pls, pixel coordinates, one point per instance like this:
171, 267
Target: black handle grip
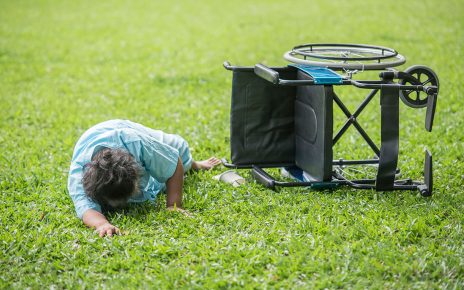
267, 73
387, 75
390, 75
262, 177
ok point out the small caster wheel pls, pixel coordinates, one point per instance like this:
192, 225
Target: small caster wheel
423, 76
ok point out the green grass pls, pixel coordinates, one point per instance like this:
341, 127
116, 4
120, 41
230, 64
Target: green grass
66, 65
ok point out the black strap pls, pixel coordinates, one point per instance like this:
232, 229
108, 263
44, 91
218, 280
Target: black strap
389, 110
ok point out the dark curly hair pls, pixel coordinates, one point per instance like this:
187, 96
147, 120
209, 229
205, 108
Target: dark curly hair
111, 178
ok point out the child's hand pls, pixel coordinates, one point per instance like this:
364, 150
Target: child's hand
107, 229
177, 209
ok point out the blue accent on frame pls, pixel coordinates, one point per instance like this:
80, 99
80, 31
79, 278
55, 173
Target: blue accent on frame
299, 175
321, 75
295, 173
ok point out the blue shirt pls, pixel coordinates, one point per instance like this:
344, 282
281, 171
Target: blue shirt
156, 151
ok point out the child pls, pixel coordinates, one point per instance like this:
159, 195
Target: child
118, 162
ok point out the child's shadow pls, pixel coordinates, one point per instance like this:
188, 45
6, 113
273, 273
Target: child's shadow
134, 211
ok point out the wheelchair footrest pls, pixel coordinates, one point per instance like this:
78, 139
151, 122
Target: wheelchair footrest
426, 189
262, 177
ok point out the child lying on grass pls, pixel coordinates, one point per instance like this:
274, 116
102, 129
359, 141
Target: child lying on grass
119, 162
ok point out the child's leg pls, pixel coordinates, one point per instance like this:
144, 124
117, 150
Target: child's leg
172, 140
182, 146
186, 157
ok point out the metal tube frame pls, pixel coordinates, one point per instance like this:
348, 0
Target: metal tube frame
338, 179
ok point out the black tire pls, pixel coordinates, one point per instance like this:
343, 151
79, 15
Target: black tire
418, 99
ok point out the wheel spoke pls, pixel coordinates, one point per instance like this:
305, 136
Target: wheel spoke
416, 76
358, 55
427, 81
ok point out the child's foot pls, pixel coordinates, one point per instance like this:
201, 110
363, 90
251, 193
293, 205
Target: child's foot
206, 164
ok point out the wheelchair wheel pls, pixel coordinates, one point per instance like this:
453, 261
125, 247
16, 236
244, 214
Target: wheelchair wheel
425, 77
345, 56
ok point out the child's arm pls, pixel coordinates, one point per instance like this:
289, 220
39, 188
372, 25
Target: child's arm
94, 219
174, 187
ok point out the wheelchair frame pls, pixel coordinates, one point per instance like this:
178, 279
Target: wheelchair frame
302, 128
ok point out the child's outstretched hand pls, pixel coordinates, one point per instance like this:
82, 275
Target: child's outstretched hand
96, 220
180, 210
107, 229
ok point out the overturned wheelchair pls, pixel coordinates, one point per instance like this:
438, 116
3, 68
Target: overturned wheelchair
283, 116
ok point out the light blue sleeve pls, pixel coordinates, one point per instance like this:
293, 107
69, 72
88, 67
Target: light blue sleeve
158, 159
82, 203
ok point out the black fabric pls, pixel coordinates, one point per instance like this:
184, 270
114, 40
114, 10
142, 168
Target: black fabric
314, 130
389, 136
262, 126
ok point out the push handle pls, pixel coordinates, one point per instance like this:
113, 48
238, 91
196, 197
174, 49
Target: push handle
267, 73
415, 83
390, 75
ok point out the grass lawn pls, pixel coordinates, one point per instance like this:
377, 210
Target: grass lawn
66, 65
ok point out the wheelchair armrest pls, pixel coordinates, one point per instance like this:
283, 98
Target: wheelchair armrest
273, 76
267, 73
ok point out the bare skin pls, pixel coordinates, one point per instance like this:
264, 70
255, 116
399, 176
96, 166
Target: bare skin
174, 185
96, 220
206, 164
